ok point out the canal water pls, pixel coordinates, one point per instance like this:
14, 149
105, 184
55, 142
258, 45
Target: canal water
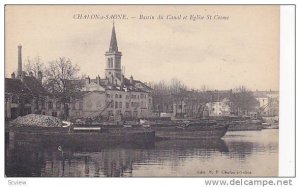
240, 153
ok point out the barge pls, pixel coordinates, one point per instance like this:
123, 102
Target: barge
47, 130
245, 125
190, 130
58, 136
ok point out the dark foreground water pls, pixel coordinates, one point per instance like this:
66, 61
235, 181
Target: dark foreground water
242, 153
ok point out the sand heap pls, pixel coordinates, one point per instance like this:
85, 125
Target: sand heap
36, 120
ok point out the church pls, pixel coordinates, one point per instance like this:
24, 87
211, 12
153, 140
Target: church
114, 94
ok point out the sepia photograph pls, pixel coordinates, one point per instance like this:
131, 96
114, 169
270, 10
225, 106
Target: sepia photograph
142, 90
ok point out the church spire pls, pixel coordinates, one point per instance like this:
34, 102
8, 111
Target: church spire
113, 47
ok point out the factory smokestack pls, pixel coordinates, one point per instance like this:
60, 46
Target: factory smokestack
19, 61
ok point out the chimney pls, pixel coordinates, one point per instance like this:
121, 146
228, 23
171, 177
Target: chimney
87, 80
98, 80
23, 74
131, 79
13, 75
19, 74
40, 77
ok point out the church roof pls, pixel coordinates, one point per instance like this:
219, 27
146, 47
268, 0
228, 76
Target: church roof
113, 47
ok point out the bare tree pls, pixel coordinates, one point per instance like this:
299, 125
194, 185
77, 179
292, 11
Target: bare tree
243, 100
166, 94
34, 65
62, 80
177, 86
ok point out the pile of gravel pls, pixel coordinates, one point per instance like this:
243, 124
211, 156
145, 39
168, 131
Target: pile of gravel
36, 120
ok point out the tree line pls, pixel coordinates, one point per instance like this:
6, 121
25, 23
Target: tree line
166, 93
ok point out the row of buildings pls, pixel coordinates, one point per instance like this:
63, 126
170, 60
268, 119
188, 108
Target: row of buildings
116, 95
214, 103
112, 95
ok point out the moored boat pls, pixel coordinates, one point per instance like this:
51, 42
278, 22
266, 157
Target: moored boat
191, 130
61, 137
66, 133
245, 125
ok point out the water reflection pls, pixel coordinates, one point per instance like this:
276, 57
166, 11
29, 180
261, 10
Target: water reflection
238, 151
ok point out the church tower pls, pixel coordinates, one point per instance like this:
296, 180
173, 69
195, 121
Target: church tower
113, 59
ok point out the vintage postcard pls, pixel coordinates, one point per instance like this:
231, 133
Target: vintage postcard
142, 90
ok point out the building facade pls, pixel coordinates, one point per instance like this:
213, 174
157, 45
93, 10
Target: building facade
26, 95
219, 108
268, 103
114, 94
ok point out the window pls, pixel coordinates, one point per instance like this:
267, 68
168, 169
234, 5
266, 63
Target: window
50, 105
117, 62
116, 104
14, 99
116, 96
120, 104
43, 103
73, 105
80, 105
127, 105
6, 98
110, 63
58, 105
36, 103
120, 96
27, 100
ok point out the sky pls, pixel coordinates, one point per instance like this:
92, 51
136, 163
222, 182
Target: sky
241, 49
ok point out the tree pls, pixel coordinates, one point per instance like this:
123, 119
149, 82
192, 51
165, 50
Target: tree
177, 86
243, 100
34, 66
62, 80
165, 94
